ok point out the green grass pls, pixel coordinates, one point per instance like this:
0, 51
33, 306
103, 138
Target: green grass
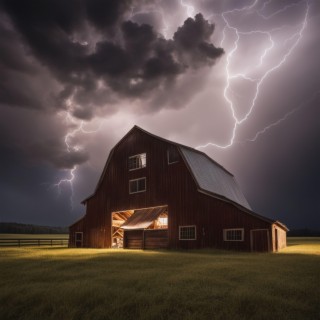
61, 283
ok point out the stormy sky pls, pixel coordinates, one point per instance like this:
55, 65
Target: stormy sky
238, 80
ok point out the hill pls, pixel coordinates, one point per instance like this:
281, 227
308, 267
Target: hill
11, 227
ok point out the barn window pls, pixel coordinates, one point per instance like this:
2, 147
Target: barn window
187, 232
137, 185
173, 155
233, 234
137, 162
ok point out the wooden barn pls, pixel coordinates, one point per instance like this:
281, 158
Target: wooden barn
154, 193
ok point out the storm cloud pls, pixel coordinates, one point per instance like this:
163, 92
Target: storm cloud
95, 51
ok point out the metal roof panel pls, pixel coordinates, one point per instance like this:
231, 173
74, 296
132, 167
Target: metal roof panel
211, 177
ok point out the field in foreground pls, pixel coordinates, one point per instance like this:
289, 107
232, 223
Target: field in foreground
61, 283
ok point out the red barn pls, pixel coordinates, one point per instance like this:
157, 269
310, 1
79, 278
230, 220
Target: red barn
154, 193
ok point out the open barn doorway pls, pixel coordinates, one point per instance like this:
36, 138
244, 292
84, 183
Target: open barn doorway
118, 219
137, 222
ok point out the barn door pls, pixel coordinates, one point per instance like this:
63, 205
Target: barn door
155, 239
276, 239
133, 239
259, 240
79, 239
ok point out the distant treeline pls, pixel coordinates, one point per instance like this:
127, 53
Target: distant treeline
10, 227
303, 233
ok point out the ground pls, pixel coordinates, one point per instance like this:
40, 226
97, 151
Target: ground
61, 283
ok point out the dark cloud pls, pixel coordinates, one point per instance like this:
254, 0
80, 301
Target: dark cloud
130, 59
106, 14
56, 152
145, 59
21, 77
192, 40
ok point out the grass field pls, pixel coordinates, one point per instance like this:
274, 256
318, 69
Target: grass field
61, 283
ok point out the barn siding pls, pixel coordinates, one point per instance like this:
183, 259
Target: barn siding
280, 238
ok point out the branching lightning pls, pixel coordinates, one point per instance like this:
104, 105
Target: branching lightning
287, 115
79, 128
295, 37
190, 8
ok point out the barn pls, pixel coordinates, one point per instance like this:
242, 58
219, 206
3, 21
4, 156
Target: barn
154, 193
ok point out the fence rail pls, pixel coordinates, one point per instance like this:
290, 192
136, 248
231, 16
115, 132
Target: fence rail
22, 242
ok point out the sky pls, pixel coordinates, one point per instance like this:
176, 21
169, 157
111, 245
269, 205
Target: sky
238, 80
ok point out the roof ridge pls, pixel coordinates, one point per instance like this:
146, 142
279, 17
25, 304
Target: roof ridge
182, 146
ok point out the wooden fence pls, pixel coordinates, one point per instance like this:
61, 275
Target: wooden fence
22, 242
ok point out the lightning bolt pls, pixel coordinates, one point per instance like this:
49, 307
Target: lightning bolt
158, 11
279, 121
190, 8
70, 147
245, 76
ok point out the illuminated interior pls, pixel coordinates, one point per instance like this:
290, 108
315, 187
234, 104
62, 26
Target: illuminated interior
120, 217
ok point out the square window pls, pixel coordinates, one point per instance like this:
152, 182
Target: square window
187, 232
137, 162
137, 185
233, 234
173, 155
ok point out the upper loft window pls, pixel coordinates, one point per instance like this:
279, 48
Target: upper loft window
137, 162
233, 234
173, 155
137, 185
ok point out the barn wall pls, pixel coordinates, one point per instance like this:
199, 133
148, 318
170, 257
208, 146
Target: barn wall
281, 238
211, 216
76, 227
169, 185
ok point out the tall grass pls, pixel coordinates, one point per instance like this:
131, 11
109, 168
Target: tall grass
62, 283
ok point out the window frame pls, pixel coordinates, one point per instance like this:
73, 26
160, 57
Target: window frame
225, 231
168, 157
145, 185
135, 156
189, 226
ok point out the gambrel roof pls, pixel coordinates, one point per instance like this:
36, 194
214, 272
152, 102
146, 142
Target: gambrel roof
212, 177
